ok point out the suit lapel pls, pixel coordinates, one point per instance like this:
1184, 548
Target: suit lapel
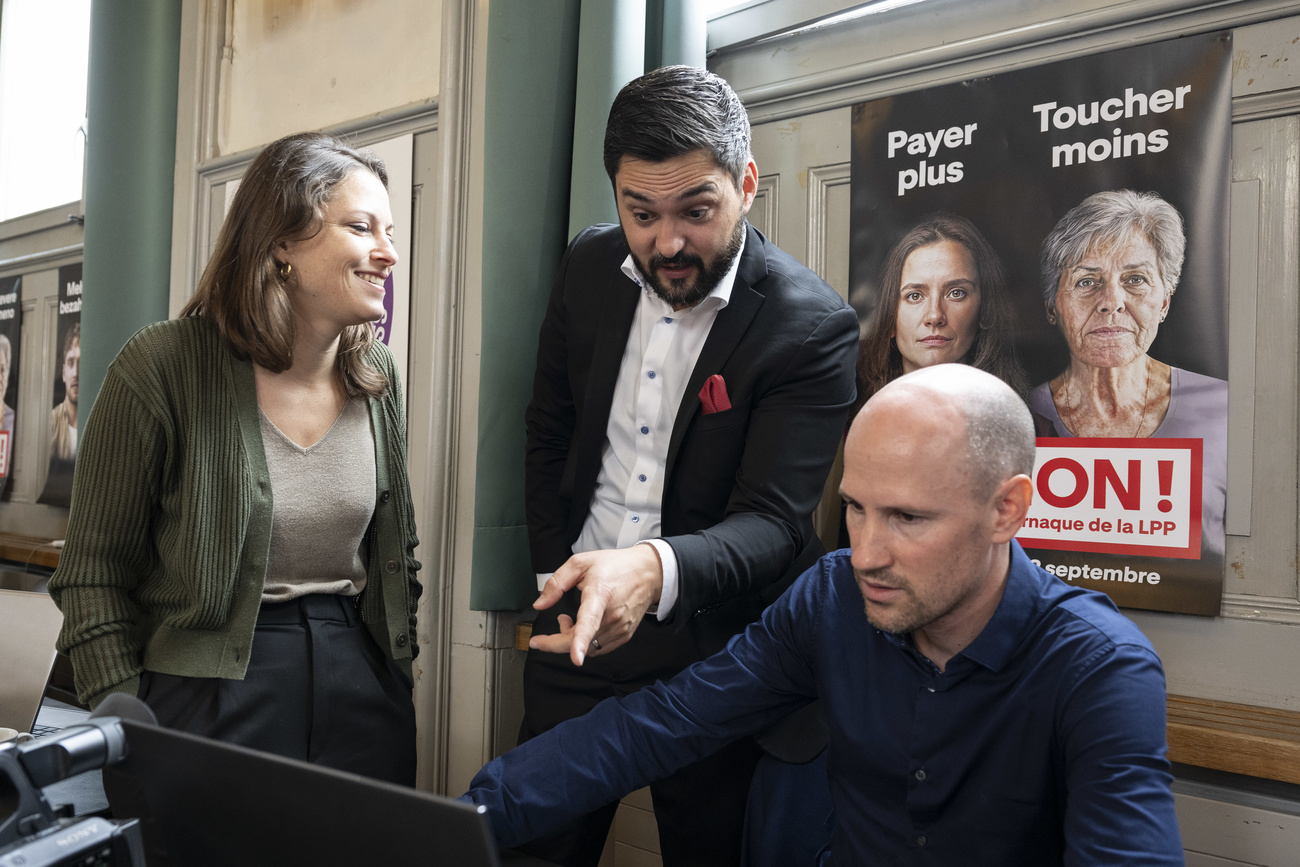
613, 323
728, 329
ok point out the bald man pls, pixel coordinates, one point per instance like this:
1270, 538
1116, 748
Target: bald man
980, 710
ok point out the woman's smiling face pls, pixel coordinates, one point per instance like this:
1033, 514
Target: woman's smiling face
1109, 304
938, 305
339, 272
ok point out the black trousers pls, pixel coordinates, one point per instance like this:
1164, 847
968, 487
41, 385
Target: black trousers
318, 689
700, 809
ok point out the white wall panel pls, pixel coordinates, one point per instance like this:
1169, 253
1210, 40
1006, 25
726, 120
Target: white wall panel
288, 65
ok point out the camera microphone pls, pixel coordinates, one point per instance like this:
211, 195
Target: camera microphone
87, 746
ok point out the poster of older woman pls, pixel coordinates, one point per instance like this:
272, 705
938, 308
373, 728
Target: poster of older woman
1100, 183
1109, 270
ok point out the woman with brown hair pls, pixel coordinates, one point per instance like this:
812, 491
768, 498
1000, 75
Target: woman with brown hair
239, 549
942, 298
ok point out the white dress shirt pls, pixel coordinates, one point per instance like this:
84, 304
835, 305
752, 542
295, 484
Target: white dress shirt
662, 348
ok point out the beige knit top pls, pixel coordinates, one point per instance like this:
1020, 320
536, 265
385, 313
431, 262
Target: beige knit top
322, 498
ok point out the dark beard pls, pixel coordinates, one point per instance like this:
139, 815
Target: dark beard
681, 294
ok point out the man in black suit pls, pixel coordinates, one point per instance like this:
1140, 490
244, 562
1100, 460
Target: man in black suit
692, 384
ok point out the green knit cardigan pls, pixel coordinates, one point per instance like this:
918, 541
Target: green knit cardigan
170, 528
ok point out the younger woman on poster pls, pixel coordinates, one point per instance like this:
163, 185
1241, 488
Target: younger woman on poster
942, 298
239, 550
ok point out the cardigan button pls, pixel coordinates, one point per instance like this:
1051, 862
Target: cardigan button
391, 567
384, 497
401, 640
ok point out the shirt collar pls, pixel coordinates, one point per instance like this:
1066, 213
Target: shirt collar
1016, 612
720, 296
1022, 599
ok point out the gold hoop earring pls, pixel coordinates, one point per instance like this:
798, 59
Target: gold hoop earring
284, 271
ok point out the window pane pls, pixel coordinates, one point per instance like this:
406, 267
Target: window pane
44, 50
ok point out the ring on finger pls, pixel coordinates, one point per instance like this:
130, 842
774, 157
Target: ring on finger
595, 643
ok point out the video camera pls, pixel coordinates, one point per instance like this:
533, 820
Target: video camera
32, 834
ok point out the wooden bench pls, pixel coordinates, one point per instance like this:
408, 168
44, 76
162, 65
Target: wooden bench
1240, 738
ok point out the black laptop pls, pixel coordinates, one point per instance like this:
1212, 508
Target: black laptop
202, 803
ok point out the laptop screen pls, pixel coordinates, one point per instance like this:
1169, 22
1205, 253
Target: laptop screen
202, 802
29, 626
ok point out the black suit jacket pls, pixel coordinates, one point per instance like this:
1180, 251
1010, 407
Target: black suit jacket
740, 485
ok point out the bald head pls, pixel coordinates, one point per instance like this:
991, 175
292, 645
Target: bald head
981, 410
936, 486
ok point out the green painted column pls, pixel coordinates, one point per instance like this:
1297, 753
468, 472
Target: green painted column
611, 52
130, 167
532, 60
685, 35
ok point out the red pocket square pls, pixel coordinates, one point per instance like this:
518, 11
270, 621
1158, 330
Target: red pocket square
713, 396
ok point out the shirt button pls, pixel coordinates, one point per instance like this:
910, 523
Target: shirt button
636, 519
651, 374
402, 639
920, 841
644, 429
641, 477
391, 567
920, 776
383, 498
668, 319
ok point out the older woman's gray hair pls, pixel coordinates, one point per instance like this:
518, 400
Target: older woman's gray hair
1114, 217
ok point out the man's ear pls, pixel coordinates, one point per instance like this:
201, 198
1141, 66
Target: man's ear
1011, 501
748, 186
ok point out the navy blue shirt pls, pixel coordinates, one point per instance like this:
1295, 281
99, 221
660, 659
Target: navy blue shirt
1042, 743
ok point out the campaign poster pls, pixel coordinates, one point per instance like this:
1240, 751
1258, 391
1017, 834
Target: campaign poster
11, 322
67, 366
1066, 228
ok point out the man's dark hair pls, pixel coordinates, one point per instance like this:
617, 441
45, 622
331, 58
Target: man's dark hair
673, 111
